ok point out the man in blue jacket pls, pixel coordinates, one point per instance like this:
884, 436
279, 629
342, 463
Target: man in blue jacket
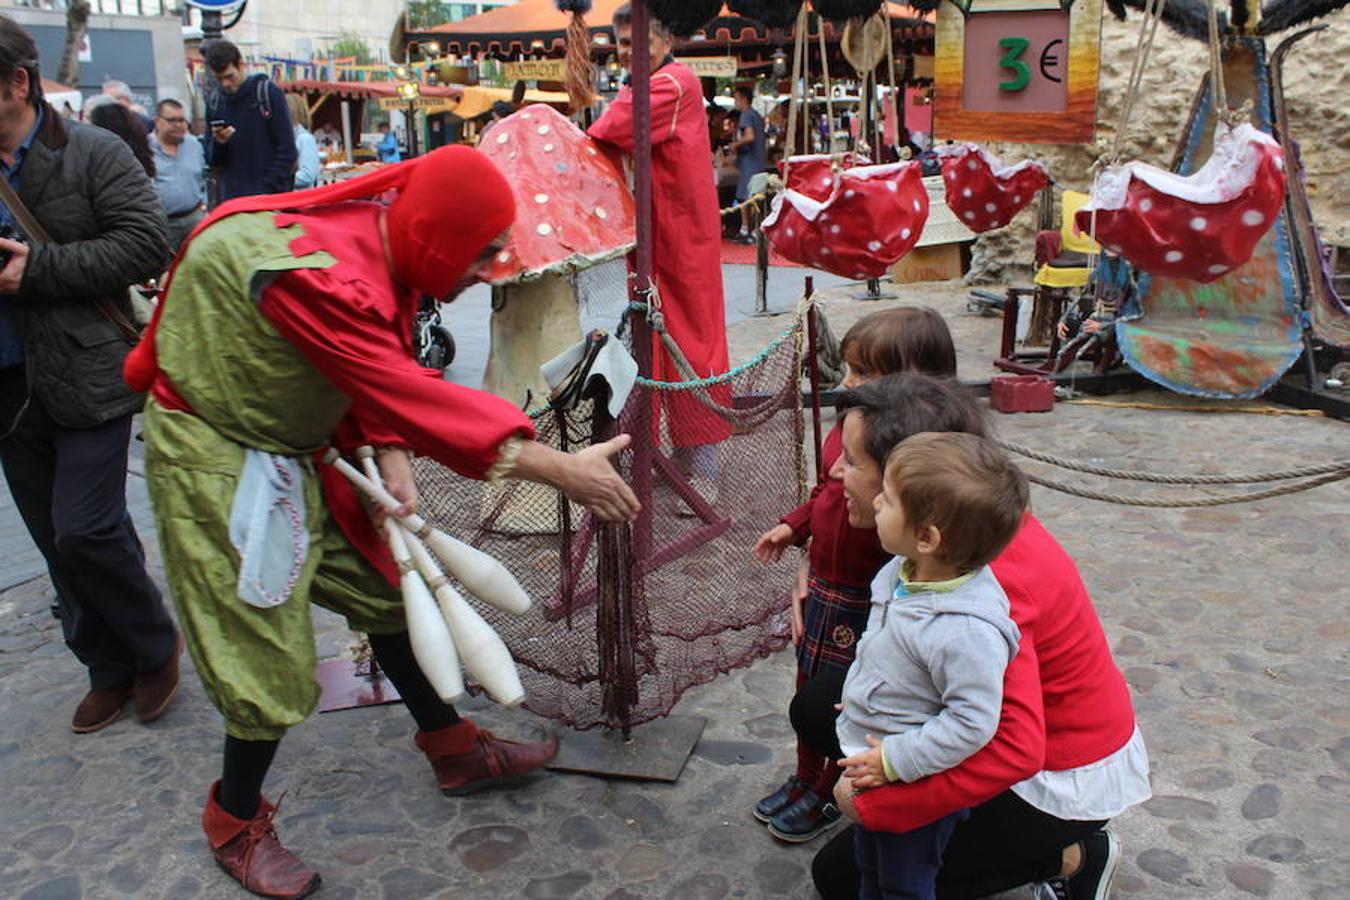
252, 145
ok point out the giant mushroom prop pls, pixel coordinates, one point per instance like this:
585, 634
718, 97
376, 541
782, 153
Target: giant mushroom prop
573, 210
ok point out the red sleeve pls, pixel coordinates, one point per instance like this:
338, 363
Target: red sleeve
1016, 752
352, 334
616, 125
799, 520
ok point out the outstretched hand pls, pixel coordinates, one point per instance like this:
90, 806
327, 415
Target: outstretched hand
592, 481
771, 544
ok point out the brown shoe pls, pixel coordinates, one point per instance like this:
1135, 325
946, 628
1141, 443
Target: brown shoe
100, 708
467, 758
153, 691
251, 853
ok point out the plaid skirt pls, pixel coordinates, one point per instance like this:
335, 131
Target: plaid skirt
836, 615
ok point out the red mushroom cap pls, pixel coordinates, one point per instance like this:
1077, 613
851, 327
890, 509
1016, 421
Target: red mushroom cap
573, 206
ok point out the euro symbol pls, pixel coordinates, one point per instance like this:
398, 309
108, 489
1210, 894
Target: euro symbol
1049, 61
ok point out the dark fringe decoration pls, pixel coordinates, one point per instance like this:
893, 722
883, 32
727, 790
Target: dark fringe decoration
684, 17
1240, 14
840, 10
580, 7
1280, 15
769, 13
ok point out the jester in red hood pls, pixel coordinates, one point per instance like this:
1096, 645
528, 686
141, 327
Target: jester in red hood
286, 328
687, 237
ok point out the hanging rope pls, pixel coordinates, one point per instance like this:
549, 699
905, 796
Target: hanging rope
579, 78
829, 90
1341, 466
1188, 502
798, 54
1216, 80
1148, 28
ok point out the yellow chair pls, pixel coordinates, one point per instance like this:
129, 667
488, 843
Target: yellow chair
1069, 268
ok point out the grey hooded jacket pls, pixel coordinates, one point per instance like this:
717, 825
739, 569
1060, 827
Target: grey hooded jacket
928, 676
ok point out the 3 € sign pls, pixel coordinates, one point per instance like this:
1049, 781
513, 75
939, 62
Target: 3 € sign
1018, 70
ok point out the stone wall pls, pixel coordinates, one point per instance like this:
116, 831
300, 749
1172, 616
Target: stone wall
1317, 93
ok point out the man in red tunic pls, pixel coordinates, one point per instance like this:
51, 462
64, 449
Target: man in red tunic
686, 237
286, 325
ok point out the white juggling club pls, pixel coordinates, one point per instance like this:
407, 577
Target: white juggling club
481, 649
484, 577
432, 645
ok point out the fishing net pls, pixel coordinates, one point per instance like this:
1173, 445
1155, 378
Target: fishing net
627, 618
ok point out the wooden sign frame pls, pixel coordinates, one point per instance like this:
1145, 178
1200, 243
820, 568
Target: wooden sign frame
1075, 119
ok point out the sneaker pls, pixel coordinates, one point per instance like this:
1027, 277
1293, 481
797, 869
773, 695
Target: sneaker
805, 818
779, 800
1101, 857
100, 708
1056, 888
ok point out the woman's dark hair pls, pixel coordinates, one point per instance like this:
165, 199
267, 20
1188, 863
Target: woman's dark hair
221, 54
18, 51
128, 126
904, 339
898, 406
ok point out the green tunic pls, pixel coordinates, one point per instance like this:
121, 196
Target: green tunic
249, 388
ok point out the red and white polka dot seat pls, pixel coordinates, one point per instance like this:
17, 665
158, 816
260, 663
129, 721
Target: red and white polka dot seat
1197, 227
983, 192
854, 222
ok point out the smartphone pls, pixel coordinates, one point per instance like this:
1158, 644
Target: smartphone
218, 123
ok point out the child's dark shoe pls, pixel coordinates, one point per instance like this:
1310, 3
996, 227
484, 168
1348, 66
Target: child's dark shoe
805, 818
779, 800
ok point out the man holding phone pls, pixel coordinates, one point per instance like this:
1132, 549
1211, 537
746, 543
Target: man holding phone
252, 145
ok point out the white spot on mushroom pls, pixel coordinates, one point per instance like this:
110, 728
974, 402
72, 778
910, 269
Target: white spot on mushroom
526, 115
951, 176
1253, 218
504, 256
834, 229
1017, 198
548, 148
543, 129
905, 233
591, 151
600, 213
545, 229
825, 251
1279, 163
972, 165
1174, 256
826, 181
969, 216
995, 223
892, 187
1217, 269
990, 207
541, 198
1145, 205
917, 206
561, 167
850, 193
1199, 223
790, 232
503, 137
966, 192
874, 246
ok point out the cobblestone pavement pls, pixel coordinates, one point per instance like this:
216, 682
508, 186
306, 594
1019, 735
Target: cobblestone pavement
1230, 624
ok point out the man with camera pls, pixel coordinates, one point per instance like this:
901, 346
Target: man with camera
65, 412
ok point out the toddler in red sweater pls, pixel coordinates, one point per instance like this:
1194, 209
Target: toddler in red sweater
831, 599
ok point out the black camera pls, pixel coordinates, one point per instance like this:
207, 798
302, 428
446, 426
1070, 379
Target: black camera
10, 233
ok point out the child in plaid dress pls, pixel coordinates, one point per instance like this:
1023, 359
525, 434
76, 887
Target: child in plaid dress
832, 598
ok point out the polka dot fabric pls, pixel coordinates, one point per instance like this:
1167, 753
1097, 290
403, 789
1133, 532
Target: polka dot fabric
983, 193
573, 207
1198, 228
856, 226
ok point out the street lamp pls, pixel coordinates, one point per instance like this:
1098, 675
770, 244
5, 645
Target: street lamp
408, 91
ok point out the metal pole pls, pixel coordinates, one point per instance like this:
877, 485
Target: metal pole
813, 367
347, 131
642, 276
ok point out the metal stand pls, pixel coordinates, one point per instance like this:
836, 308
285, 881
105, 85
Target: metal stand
762, 274
656, 751
874, 291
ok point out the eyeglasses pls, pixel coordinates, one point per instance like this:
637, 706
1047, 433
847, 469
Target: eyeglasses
174, 120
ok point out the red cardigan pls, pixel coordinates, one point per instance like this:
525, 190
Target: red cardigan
840, 553
1065, 704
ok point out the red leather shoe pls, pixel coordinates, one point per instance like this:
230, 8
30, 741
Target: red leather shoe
467, 758
249, 850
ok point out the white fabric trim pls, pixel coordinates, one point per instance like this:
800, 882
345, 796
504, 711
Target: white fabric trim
1229, 170
996, 165
1097, 791
679, 90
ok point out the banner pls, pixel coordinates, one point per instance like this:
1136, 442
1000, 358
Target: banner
428, 104
536, 70
710, 66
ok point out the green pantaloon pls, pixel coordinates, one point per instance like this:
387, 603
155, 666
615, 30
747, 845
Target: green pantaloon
257, 665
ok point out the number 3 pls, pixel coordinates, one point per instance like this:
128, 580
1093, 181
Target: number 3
1014, 47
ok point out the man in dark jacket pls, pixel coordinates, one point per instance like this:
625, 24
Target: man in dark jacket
65, 412
252, 143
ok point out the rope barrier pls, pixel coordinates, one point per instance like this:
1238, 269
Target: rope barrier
1188, 502
748, 201
1191, 407
1340, 467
